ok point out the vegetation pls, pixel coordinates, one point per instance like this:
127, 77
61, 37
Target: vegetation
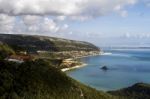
137, 91
35, 43
5, 51
38, 80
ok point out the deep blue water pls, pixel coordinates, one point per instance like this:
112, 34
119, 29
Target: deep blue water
126, 67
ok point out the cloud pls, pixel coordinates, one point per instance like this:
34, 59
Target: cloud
6, 23
30, 19
49, 16
49, 25
72, 8
61, 18
43, 24
30, 24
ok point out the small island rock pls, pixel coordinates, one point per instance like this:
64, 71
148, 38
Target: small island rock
104, 68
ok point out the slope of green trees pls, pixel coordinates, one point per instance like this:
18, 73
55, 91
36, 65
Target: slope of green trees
5, 51
39, 80
137, 91
35, 43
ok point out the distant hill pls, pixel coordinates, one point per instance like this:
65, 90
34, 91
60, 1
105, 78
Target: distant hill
137, 91
34, 43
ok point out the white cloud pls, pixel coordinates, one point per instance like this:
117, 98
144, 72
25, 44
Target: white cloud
30, 19
6, 23
49, 25
48, 16
43, 24
30, 24
87, 8
61, 18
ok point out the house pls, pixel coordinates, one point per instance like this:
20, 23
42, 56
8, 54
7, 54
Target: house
19, 58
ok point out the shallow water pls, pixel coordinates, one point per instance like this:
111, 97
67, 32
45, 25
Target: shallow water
126, 67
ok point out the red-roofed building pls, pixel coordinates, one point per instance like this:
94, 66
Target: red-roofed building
19, 58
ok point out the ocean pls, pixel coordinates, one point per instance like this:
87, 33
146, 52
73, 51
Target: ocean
125, 68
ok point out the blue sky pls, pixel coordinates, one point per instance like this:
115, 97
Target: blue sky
137, 21
102, 22
113, 26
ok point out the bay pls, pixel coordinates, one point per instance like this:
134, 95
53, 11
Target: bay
125, 68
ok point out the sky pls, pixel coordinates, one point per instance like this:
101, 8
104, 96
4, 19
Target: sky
102, 22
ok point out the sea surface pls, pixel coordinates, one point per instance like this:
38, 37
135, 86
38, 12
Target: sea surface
126, 67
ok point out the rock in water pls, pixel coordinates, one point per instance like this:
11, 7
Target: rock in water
104, 68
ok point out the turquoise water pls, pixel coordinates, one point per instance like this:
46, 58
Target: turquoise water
126, 67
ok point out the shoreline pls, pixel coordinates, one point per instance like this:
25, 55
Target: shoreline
78, 66
74, 67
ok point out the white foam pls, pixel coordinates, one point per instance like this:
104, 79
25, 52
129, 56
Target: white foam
107, 53
123, 55
112, 54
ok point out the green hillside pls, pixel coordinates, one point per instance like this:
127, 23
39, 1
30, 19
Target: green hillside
35, 43
39, 80
5, 51
137, 91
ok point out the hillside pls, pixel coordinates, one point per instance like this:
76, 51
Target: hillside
43, 43
5, 51
137, 91
39, 80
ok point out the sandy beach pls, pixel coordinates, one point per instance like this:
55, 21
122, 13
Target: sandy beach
74, 67
78, 66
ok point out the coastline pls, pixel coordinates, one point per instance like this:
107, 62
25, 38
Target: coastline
78, 66
74, 67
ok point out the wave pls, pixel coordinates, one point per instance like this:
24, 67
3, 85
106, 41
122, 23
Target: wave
112, 54
123, 55
108, 53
